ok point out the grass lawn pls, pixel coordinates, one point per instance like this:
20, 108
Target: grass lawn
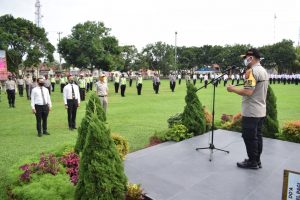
135, 117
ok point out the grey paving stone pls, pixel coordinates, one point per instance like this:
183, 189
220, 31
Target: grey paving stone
175, 171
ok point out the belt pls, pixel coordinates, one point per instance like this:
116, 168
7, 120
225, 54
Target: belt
102, 95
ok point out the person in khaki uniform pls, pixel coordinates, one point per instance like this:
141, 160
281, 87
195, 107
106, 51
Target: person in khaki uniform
254, 96
102, 91
82, 87
11, 89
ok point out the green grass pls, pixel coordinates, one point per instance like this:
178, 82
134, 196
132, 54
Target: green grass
135, 117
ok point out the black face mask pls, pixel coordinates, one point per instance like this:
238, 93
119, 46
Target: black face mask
41, 84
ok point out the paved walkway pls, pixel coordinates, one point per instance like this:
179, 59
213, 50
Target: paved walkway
175, 171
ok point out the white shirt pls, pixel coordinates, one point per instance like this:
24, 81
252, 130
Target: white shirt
37, 97
68, 92
194, 76
205, 77
225, 77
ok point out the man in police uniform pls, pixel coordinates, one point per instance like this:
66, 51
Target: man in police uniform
62, 83
87, 81
117, 82
47, 83
11, 88
123, 85
253, 108
20, 82
82, 87
139, 83
172, 79
28, 82
52, 80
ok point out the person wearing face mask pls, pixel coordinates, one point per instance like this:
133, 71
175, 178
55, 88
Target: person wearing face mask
41, 105
254, 96
11, 88
72, 101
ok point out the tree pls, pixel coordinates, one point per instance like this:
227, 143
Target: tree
24, 42
90, 44
130, 56
101, 172
193, 115
159, 56
270, 127
93, 107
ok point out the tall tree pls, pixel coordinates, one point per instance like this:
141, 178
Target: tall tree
159, 56
90, 44
24, 42
130, 56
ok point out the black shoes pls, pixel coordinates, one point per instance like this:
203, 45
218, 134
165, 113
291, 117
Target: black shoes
46, 133
247, 164
40, 135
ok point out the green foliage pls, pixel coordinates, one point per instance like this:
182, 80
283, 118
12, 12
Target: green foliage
90, 45
291, 131
193, 115
101, 172
20, 37
121, 145
93, 107
46, 186
134, 192
271, 126
177, 133
175, 119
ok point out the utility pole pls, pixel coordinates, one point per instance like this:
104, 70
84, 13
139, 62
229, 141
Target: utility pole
176, 50
299, 38
60, 68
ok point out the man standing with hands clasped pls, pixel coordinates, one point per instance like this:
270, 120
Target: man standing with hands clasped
254, 96
41, 105
72, 101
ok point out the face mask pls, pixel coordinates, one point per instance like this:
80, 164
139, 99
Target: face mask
41, 84
247, 62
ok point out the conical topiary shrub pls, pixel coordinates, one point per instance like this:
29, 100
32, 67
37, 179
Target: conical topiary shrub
101, 172
93, 106
193, 115
270, 127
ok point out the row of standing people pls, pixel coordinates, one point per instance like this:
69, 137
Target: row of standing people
121, 82
284, 79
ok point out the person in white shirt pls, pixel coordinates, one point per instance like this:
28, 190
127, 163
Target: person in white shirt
72, 101
102, 91
232, 79
41, 105
205, 80
225, 78
194, 79
179, 78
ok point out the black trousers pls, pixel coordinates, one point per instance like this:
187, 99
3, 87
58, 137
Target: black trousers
21, 89
172, 86
139, 88
82, 94
296, 81
28, 91
205, 83
130, 82
117, 87
72, 110
11, 96
156, 87
252, 135
91, 86
62, 87
41, 116
53, 86
179, 81
87, 87
225, 83
232, 81
123, 88
238, 81
194, 81
201, 79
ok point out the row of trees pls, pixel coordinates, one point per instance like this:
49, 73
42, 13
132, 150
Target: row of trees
90, 45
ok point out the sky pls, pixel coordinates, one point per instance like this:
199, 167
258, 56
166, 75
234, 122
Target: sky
197, 22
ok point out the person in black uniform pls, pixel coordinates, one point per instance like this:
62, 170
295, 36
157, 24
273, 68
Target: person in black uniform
11, 88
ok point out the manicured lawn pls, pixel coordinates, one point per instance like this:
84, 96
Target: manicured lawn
134, 117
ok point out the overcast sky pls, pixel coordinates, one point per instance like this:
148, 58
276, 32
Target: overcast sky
198, 22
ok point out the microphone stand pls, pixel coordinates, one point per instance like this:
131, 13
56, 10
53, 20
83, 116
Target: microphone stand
211, 145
